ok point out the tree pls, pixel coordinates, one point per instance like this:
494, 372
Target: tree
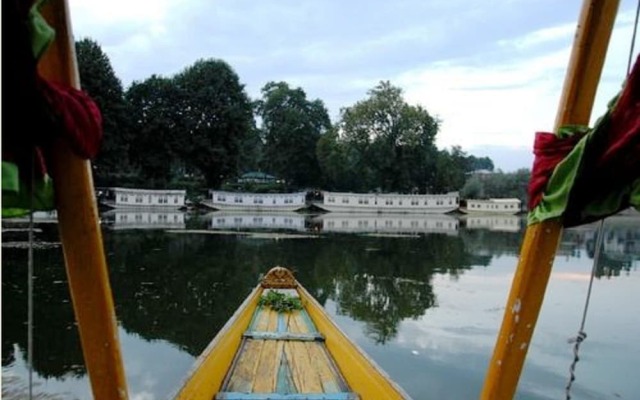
291, 128
216, 119
451, 168
99, 80
158, 141
477, 163
390, 140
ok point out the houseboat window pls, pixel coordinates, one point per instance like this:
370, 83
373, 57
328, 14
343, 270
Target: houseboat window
414, 202
138, 199
274, 201
237, 199
399, 202
366, 201
345, 201
360, 201
175, 200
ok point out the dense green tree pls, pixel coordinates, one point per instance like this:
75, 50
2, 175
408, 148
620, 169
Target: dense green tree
476, 163
100, 81
390, 141
332, 160
451, 170
156, 145
216, 119
291, 127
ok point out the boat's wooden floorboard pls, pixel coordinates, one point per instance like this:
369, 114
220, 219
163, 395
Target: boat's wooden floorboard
273, 365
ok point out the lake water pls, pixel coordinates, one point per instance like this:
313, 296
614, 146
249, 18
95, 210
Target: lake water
423, 296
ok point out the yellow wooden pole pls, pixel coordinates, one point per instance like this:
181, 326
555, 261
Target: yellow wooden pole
541, 240
80, 231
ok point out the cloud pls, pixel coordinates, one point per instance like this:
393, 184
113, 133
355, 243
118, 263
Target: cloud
541, 36
493, 74
502, 98
500, 103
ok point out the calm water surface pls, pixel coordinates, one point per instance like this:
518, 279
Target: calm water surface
424, 297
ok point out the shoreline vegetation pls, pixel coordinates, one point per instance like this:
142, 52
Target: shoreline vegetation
199, 129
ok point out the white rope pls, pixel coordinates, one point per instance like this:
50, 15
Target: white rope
30, 279
582, 335
633, 39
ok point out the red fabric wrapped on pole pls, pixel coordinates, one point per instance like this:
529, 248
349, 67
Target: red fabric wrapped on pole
585, 177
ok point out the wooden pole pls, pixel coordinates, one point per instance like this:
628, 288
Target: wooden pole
80, 231
541, 240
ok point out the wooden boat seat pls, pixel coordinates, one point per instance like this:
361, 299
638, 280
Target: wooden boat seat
283, 357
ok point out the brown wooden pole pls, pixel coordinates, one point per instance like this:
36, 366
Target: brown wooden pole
80, 233
541, 240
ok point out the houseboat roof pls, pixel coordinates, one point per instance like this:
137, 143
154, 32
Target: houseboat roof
389, 194
510, 200
148, 191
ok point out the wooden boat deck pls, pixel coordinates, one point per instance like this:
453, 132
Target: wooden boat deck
283, 356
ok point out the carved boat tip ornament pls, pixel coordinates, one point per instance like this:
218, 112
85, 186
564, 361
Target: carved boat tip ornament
279, 277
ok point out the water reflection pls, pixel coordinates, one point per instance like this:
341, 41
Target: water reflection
504, 223
386, 223
222, 220
174, 290
143, 219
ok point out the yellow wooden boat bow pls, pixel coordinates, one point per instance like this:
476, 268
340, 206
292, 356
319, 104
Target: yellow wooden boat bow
301, 354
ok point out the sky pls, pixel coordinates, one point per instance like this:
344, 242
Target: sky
491, 71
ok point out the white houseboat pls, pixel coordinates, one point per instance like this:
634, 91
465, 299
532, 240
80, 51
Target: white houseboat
493, 206
142, 198
243, 201
390, 203
392, 223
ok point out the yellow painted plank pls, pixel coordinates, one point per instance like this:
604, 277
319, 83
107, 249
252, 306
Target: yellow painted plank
241, 379
211, 367
297, 323
304, 375
322, 366
262, 319
266, 375
272, 325
362, 375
